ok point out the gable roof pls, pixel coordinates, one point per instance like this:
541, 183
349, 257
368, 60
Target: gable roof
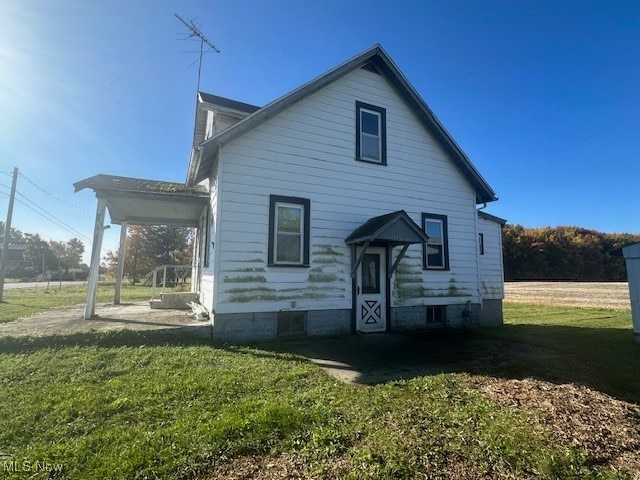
395, 228
227, 103
375, 58
493, 218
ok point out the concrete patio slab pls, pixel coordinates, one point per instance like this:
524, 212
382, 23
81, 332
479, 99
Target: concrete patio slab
131, 316
379, 358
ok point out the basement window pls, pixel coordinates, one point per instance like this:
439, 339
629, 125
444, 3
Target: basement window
292, 323
435, 315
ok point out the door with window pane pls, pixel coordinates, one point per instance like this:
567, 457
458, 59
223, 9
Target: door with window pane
371, 305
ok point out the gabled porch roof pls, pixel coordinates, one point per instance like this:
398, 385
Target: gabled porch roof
391, 229
395, 228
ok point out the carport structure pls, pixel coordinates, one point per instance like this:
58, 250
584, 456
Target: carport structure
136, 201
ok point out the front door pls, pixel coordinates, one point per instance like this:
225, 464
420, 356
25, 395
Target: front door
371, 305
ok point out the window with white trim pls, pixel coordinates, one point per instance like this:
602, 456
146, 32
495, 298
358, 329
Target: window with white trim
436, 249
288, 231
371, 135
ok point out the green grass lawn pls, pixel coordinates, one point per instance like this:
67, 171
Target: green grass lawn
595, 346
21, 303
153, 405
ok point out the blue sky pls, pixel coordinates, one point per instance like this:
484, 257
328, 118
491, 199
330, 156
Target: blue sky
543, 96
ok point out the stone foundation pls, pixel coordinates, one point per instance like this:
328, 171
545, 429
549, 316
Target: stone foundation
328, 322
264, 325
408, 318
491, 313
463, 315
245, 326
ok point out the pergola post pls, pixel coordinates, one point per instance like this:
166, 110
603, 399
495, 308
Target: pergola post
120, 269
90, 307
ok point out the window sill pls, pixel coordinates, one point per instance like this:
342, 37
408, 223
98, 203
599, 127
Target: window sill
287, 265
375, 162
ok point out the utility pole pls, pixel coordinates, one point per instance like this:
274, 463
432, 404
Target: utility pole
7, 232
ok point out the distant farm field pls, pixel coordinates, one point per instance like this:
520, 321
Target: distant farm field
570, 294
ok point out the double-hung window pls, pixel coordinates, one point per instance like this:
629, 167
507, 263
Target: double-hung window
436, 249
371, 133
288, 231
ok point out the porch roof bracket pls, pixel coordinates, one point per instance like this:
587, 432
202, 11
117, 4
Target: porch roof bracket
395, 264
354, 269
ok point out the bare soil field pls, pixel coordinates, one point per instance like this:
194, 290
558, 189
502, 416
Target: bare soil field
570, 294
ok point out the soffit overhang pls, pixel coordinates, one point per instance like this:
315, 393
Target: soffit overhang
139, 201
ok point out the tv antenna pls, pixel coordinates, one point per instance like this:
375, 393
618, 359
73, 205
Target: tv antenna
196, 32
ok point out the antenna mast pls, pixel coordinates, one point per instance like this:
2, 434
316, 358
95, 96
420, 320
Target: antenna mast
195, 32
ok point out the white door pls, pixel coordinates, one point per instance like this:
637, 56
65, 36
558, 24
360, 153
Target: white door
371, 305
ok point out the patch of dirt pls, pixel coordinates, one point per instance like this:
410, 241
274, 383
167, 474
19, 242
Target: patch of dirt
607, 428
570, 294
272, 467
257, 467
69, 320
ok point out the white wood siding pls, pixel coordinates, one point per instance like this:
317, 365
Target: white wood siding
207, 283
309, 151
491, 268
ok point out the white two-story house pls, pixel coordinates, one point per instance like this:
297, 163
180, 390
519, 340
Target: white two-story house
343, 206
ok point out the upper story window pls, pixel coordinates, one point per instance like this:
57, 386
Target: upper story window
371, 133
289, 231
481, 243
436, 250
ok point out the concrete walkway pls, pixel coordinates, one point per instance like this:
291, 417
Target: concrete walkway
370, 358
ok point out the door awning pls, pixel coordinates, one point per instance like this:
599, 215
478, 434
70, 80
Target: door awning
391, 229
138, 201
395, 228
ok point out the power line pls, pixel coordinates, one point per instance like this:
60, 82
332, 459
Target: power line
51, 217
51, 194
61, 224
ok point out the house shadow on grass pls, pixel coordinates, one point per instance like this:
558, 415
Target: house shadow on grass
604, 359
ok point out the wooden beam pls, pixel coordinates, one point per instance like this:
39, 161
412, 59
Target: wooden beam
98, 231
120, 269
354, 268
395, 264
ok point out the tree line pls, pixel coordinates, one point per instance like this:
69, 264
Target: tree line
62, 260
563, 253
148, 247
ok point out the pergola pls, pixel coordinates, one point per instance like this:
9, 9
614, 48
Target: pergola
136, 201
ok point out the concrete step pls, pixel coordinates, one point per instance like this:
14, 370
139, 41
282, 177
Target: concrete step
177, 300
